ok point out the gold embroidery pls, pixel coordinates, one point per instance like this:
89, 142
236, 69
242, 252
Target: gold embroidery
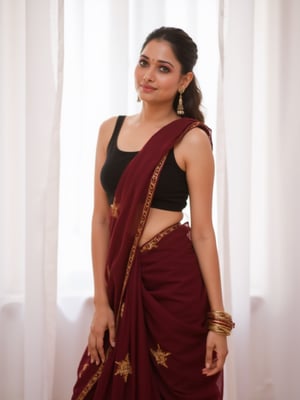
82, 395
153, 243
124, 368
83, 369
161, 357
140, 228
114, 209
122, 310
90, 384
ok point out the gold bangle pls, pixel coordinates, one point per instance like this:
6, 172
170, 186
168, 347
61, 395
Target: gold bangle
220, 322
219, 314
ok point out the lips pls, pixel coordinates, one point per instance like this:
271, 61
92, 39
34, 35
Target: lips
147, 88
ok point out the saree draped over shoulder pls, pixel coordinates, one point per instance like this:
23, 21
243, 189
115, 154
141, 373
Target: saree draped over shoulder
157, 294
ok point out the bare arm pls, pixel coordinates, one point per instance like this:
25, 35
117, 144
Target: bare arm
103, 316
200, 176
199, 165
100, 221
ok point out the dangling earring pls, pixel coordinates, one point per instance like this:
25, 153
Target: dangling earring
180, 109
138, 99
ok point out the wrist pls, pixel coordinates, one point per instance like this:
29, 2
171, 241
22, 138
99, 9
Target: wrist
101, 300
220, 322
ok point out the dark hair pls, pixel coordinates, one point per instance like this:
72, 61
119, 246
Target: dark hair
186, 52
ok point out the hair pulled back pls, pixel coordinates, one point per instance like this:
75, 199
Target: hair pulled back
186, 52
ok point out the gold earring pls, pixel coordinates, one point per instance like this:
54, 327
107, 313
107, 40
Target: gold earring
180, 109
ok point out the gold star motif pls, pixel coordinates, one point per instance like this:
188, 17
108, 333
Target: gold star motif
161, 357
124, 368
114, 209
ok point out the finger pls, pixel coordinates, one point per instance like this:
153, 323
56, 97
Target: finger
92, 351
220, 361
99, 350
112, 334
209, 356
212, 371
216, 366
89, 345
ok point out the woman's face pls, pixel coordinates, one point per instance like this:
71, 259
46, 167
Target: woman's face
158, 73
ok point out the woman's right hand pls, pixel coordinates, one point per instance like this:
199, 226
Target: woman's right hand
103, 319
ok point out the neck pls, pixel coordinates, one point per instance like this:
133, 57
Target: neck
151, 113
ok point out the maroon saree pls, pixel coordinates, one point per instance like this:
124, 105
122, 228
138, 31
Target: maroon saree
157, 294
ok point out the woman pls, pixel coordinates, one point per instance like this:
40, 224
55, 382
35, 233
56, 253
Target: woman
159, 327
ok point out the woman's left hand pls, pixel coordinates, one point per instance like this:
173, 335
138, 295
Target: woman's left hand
216, 352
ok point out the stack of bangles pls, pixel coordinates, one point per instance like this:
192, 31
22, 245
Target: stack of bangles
220, 322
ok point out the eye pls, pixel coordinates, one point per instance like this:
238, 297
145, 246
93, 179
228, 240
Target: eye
164, 69
143, 62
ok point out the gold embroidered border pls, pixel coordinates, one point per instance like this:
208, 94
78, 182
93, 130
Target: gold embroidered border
143, 219
153, 243
140, 228
90, 383
85, 366
122, 310
93, 379
134, 247
114, 209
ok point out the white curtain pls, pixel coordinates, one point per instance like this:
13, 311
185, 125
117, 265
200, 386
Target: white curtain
259, 193
256, 127
31, 83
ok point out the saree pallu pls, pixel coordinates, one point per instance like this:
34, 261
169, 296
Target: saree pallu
157, 294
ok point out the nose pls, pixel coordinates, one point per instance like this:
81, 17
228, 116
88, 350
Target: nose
148, 77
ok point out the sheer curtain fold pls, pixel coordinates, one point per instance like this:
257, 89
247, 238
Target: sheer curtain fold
12, 197
12, 119
30, 95
234, 147
258, 137
44, 28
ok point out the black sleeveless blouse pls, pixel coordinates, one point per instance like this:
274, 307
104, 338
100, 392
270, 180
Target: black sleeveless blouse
171, 191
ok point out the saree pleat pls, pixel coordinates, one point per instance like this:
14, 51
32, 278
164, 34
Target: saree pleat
175, 303
157, 294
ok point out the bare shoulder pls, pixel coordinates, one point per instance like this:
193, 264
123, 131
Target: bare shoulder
107, 127
105, 132
199, 162
196, 143
197, 137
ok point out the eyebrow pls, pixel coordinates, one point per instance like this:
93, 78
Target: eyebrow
160, 61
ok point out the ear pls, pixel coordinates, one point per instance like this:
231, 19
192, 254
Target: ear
186, 80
